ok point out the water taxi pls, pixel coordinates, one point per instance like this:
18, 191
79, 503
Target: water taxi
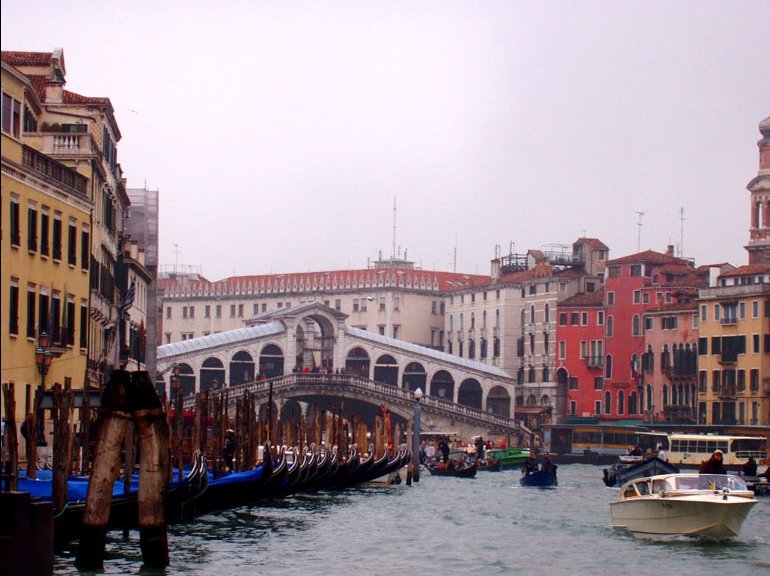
689, 450
711, 506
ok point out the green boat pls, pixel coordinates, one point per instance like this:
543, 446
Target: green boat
509, 457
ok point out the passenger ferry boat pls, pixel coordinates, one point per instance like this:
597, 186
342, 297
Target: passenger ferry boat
689, 450
604, 443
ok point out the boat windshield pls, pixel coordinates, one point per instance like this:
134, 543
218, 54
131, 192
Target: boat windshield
705, 482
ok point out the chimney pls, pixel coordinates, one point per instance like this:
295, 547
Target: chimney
670, 250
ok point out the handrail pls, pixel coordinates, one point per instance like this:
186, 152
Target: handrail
357, 383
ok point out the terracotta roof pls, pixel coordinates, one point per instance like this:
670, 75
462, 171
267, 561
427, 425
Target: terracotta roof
27, 58
336, 280
649, 257
584, 299
593, 243
747, 270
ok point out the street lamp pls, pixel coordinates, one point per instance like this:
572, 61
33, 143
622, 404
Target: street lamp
43, 358
176, 387
416, 436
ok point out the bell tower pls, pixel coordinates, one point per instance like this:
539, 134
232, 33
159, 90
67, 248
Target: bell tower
759, 232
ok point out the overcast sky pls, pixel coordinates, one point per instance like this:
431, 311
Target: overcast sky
279, 133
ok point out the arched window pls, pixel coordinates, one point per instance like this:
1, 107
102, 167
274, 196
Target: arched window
497, 318
636, 328
608, 367
462, 322
621, 402
607, 403
473, 320
484, 320
451, 324
532, 314
610, 326
547, 313
523, 319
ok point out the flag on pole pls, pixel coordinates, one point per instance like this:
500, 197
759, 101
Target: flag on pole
128, 299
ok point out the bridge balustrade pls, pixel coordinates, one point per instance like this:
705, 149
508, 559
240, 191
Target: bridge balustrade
261, 388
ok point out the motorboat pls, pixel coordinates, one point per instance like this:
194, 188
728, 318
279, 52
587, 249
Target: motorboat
628, 468
711, 506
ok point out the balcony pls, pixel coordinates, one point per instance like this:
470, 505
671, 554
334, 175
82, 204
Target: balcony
730, 321
594, 361
728, 392
679, 373
728, 358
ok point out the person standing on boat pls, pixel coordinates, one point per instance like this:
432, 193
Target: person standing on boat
750, 467
530, 465
713, 465
662, 453
479, 448
228, 449
443, 447
547, 465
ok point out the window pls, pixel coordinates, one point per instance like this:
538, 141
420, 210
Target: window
338, 305
433, 307
168, 312
45, 248
15, 225
610, 327
717, 312
83, 325
30, 312
668, 322
755, 343
608, 367
584, 319
240, 310
13, 308
637, 296
635, 270
396, 331
646, 298
573, 383
600, 318
57, 239
85, 248
754, 380
610, 298
613, 272
636, 326
648, 323
232, 310
32, 229
72, 244
192, 311
574, 319
11, 116
562, 318
396, 303
562, 349
598, 383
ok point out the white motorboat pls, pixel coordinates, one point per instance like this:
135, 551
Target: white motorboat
702, 505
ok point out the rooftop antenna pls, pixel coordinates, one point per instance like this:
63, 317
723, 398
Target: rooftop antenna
681, 232
639, 234
176, 257
393, 257
454, 262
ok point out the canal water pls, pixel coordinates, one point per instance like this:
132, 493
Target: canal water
487, 525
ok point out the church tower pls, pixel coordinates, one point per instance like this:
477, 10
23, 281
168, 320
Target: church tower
759, 187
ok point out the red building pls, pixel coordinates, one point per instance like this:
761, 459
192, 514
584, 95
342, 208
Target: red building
580, 353
634, 285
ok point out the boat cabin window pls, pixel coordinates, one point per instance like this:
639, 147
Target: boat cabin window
643, 488
658, 486
629, 492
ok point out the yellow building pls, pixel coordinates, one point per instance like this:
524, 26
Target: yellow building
81, 132
734, 348
46, 254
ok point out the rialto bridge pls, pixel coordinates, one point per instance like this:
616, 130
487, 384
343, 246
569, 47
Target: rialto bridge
307, 355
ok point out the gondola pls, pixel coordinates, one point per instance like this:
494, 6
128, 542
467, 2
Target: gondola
463, 469
540, 478
124, 507
235, 489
